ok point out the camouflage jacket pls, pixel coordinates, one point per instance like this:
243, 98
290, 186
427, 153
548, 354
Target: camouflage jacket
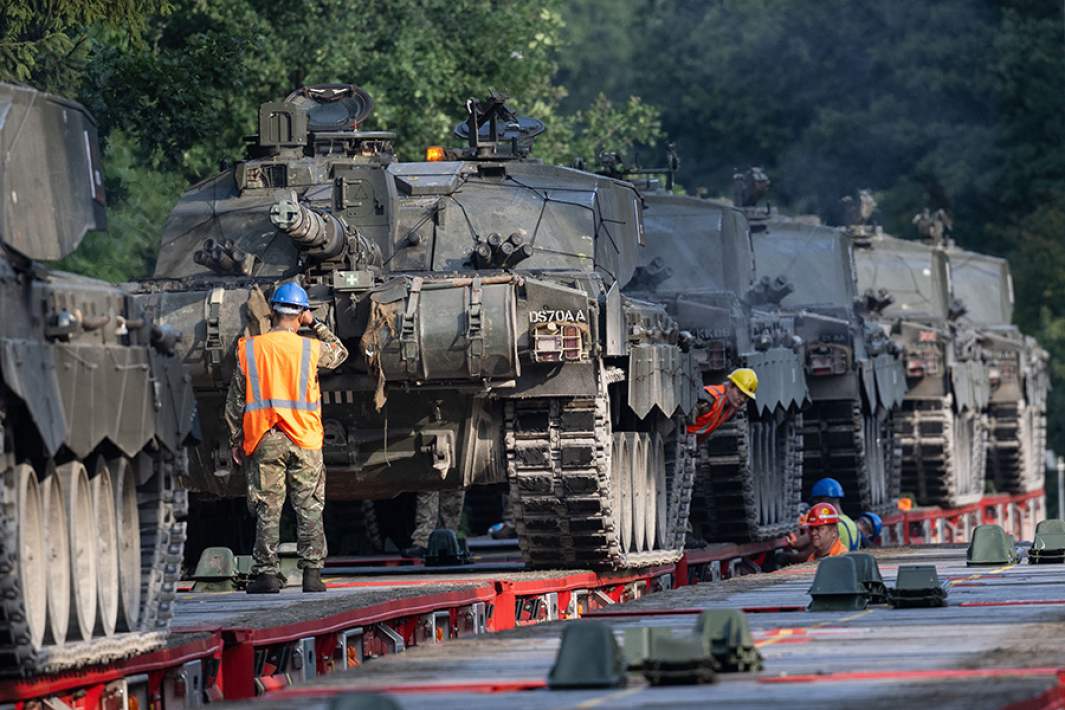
333, 353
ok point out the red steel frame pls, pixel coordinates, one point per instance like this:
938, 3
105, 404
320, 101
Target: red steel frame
234, 663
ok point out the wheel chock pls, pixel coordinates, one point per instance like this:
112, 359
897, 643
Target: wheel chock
588, 657
678, 660
445, 548
837, 586
869, 574
726, 636
1049, 544
918, 586
990, 545
216, 571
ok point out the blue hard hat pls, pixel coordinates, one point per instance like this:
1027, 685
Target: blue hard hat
875, 521
827, 488
290, 299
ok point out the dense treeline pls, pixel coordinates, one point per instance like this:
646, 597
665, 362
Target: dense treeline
956, 103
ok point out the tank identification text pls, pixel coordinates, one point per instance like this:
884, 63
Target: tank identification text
550, 315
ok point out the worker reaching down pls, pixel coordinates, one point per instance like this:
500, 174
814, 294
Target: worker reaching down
721, 402
822, 522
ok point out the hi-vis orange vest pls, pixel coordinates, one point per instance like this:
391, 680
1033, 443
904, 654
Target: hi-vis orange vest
281, 388
720, 412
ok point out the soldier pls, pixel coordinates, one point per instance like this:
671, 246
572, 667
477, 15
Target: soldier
273, 411
434, 509
724, 401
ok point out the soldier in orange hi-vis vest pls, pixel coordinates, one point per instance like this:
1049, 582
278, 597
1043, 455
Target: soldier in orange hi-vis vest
723, 401
273, 410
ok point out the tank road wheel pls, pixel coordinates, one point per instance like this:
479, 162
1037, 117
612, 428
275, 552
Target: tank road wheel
749, 479
583, 494
640, 495
77, 499
658, 528
103, 505
623, 489
57, 541
23, 570
127, 525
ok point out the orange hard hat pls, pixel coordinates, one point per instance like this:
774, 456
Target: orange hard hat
821, 514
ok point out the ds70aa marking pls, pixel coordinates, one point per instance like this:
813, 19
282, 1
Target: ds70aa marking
547, 315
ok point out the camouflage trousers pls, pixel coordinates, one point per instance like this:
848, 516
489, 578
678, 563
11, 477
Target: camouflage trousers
436, 509
276, 466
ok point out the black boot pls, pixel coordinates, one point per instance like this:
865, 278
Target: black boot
414, 551
312, 580
264, 584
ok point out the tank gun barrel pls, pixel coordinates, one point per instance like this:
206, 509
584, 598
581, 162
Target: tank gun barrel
317, 234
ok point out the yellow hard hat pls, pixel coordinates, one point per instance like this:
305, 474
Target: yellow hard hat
746, 380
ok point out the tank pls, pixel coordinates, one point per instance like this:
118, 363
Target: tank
1016, 412
941, 427
95, 412
700, 265
854, 371
480, 295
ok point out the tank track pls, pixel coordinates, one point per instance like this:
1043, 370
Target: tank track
835, 443
1015, 447
564, 488
732, 501
162, 506
943, 452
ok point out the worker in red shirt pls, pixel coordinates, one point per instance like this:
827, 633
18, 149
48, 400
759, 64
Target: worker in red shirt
723, 401
822, 522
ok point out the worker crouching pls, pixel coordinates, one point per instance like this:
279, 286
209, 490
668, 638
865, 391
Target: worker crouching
273, 411
822, 523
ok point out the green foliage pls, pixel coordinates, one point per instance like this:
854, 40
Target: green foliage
45, 42
603, 127
140, 200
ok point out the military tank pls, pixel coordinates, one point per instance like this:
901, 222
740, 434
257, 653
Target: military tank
480, 294
941, 426
699, 264
853, 369
1016, 413
94, 413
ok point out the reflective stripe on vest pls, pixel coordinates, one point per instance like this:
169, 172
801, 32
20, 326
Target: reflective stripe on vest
848, 532
721, 410
277, 394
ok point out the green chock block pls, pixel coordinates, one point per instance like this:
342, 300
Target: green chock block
918, 586
445, 548
216, 571
588, 657
726, 637
637, 645
1050, 526
288, 563
837, 586
678, 660
869, 574
990, 545
1049, 544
